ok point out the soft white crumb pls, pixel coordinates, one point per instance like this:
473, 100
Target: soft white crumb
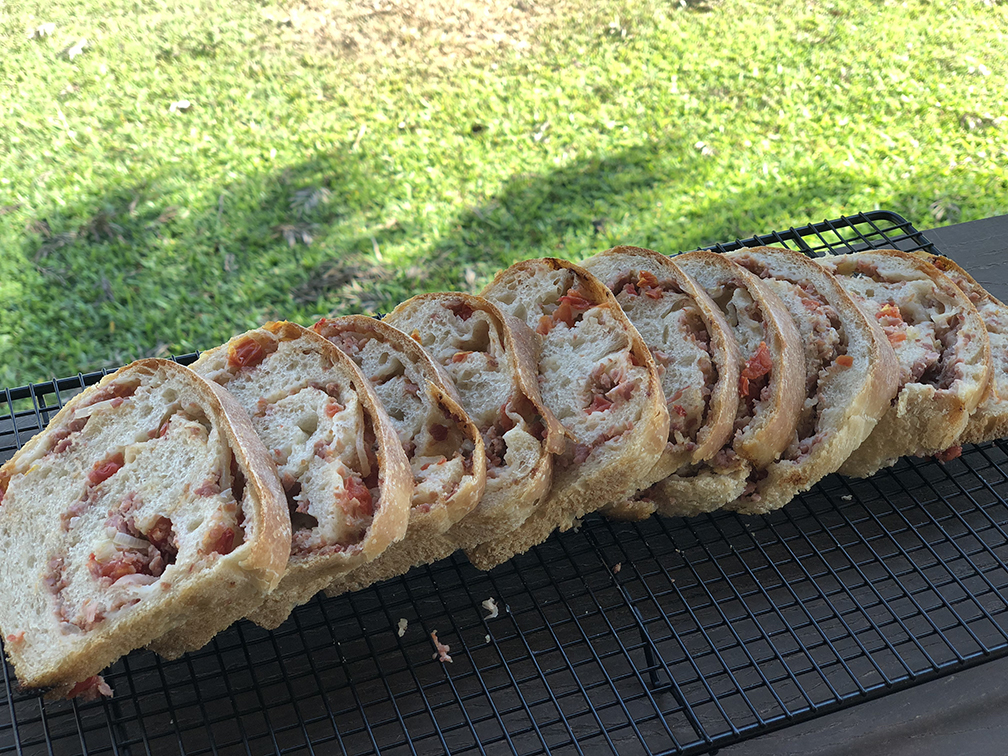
576, 524
617, 567
846, 497
441, 654
491, 606
487, 639
403, 624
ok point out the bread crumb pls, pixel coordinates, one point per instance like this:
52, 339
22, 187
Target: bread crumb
91, 689
617, 567
576, 525
491, 606
487, 639
403, 624
441, 654
846, 497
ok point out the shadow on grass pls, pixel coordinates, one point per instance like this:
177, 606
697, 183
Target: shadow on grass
142, 276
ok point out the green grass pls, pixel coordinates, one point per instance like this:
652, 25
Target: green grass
128, 229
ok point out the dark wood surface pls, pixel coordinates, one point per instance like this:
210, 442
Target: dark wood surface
965, 714
981, 247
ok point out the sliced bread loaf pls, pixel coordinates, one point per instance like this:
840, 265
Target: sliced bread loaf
443, 446
695, 353
147, 500
347, 480
990, 419
942, 348
771, 387
491, 359
598, 378
851, 376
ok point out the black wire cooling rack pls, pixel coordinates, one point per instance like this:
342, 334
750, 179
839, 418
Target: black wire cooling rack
671, 636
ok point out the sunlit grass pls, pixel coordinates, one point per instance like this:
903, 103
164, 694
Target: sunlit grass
298, 181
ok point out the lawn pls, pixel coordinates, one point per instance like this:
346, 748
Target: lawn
193, 169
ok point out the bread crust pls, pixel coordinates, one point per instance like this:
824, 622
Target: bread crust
990, 419
586, 486
426, 537
234, 582
923, 419
765, 437
501, 509
307, 574
718, 419
702, 489
849, 403
723, 402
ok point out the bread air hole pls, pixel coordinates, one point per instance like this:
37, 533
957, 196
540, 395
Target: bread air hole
302, 521
390, 367
308, 423
169, 395
194, 413
505, 296
722, 297
478, 340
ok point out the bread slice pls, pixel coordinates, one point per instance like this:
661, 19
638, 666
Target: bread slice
990, 419
147, 498
347, 481
851, 376
696, 355
491, 359
771, 387
598, 378
942, 348
442, 443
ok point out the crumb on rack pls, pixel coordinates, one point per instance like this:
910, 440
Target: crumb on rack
90, 689
491, 606
846, 497
617, 567
403, 624
441, 654
487, 639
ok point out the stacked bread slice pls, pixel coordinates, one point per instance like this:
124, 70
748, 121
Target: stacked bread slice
990, 419
697, 358
443, 446
346, 478
850, 376
770, 388
148, 504
942, 347
492, 358
597, 376
165, 502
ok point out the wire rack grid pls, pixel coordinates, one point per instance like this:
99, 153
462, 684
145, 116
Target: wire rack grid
669, 636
